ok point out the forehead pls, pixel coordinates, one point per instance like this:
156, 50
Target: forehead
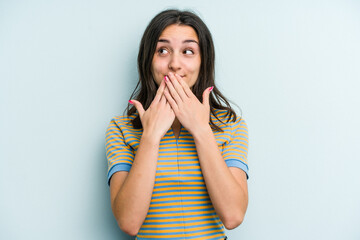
177, 32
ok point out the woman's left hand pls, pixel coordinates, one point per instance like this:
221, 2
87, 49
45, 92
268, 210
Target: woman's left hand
190, 112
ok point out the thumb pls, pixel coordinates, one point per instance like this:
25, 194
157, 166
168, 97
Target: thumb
206, 95
138, 107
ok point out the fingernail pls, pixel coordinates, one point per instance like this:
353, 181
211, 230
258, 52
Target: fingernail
131, 102
211, 88
166, 78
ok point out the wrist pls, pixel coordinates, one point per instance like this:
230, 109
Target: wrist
202, 132
150, 138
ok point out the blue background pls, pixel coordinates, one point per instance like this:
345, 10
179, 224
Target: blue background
67, 67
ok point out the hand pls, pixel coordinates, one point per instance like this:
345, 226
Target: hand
158, 118
192, 114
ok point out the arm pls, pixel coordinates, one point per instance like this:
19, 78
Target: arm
227, 186
130, 192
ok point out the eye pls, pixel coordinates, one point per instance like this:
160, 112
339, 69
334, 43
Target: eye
188, 51
163, 51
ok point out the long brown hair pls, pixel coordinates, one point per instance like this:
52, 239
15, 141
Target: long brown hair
146, 87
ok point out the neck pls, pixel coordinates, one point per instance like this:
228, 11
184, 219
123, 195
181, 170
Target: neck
176, 123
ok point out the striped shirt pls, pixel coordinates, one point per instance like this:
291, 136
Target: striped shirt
180, 206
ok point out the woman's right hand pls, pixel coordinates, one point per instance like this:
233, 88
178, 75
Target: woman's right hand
158, 118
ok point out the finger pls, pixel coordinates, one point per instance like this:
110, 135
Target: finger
206, 95
185, 86
171, 100
163, 98
172, 90
138, 107
169, 108
175, 79
159, 92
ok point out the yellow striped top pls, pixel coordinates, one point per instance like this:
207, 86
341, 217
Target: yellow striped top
180, 206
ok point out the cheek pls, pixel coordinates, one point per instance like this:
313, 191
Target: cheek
154, 68
194, 65
194, 69
159, 64
157, 70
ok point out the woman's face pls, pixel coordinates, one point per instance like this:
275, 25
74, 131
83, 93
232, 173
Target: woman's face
177, 51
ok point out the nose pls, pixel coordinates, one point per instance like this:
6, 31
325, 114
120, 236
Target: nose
175, 63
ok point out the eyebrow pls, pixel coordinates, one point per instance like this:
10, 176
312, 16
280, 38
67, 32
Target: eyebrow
185, 41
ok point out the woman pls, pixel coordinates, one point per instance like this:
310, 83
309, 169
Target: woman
178, 158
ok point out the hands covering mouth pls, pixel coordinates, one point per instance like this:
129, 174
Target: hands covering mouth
174, 98
182, 76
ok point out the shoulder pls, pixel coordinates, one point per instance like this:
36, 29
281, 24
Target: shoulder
123, 121
223, 120
122, 125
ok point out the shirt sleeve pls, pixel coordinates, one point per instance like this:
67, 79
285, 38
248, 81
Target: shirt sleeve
120, 155
235, 152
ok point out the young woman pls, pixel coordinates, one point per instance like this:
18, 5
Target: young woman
178, 158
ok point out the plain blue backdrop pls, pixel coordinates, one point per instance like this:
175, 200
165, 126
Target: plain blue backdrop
67, 67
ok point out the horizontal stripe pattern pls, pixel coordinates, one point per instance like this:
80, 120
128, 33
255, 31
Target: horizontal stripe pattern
180, 206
